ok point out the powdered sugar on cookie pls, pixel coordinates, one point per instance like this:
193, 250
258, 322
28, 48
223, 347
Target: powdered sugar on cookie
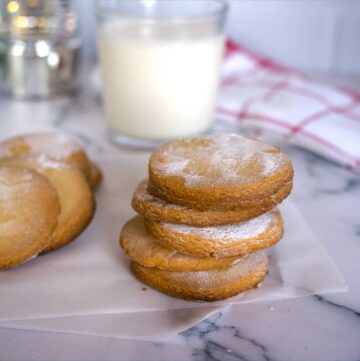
238, 231
220, 160
143, 194
55, 145
202, 280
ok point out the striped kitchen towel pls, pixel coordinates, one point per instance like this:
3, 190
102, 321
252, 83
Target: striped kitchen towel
260, 94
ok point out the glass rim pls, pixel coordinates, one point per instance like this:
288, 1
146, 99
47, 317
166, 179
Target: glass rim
220, 12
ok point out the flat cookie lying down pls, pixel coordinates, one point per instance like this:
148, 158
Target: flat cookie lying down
212, 285
224, 172
142, 248
232, 240
158, 210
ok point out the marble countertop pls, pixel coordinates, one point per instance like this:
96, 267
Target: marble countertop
311, 328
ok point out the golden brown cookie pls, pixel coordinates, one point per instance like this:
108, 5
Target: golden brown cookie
76, 199
29, 210
224, 172
56, 146
260, 206
212, 285
96, 176
159, 210
233, 240
143, 249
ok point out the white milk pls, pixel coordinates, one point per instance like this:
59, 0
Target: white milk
159, 83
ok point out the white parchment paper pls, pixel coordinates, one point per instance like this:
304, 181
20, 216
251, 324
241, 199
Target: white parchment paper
87, 287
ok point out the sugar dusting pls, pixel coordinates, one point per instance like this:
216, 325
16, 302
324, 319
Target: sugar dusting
46, 162
18, 202
144, 195
202, 280
14, 179
38, 163
238, 231
146, 250
219, 160
55, 145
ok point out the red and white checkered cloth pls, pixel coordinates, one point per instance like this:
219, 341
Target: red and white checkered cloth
259, 93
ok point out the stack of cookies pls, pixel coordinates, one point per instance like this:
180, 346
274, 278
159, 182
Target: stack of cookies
46, 195
207, 215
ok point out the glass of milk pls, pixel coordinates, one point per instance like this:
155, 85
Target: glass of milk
159, 64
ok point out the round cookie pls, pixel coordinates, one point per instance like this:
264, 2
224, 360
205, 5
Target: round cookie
76, 199
29, 210
260, 206
222, 172
56, 146
96, 176
143, 249
233, 240
212, 285
159, 210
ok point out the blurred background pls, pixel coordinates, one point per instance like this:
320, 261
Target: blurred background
41, 48
320, 37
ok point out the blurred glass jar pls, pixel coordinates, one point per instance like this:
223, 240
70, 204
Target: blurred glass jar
39, 48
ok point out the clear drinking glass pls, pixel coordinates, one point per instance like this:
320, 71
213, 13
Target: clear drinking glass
160, 67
